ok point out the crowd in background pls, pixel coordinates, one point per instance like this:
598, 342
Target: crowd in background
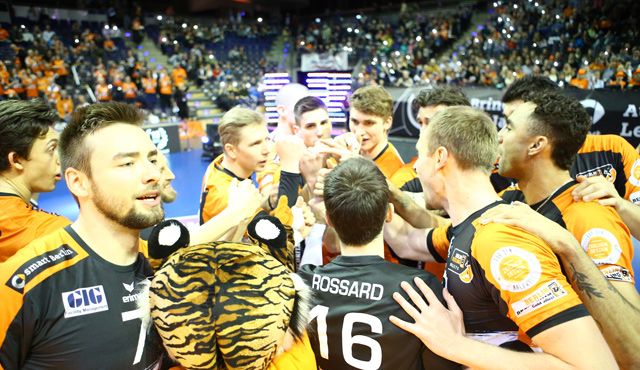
587, 45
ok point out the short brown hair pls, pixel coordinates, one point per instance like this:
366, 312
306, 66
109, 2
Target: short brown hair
234, 120
87, 120
373, 100
441, 95
356, 196
468, 134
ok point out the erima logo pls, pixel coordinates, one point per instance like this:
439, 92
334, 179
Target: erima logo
84, 301
129, 287
596, 107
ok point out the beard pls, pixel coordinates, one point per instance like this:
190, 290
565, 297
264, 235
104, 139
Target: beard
132, 219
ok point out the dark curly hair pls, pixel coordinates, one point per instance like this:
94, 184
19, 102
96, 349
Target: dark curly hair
521, 88
440, 95
564, 121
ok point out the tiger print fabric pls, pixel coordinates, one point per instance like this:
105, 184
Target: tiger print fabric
222, 305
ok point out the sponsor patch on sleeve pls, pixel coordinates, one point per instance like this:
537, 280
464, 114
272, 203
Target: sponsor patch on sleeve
542, 296
635, 197
634, 176
515, 269
617, 273
602, 246
33, 267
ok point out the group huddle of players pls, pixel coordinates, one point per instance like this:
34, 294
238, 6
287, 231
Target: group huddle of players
490, 250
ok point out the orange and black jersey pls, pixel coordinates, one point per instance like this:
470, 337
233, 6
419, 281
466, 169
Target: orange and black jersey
353, 296
215, 189
613, 157
599, 229
21, 223
413, 185
506, 280
388, 161
65, 307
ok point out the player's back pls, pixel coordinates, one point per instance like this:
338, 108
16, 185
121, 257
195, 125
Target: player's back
350, 327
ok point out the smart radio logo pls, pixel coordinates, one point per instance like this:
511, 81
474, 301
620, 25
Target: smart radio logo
84, 301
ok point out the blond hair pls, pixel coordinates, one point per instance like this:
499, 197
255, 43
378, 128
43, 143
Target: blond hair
468, 134
373, 100
233, 121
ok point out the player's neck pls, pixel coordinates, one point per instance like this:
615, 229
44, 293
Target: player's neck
111, 241
235, 168
376, 150
466, 193
374, 248
542, 181
14, 185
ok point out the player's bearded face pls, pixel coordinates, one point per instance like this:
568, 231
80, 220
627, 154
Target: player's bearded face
125, 178
125, 210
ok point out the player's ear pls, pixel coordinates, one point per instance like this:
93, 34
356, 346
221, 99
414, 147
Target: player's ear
538, 145
77, 182
389, 214
230, 150
327, 220
15, 161
387, 123
442, 156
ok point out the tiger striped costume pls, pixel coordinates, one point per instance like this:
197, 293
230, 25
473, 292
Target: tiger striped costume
229, 305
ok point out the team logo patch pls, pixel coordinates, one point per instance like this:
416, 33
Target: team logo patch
542, 296
617, 273
84, 301
634, 176
635, 197
602, 246
515, 269
30, 269
606, 170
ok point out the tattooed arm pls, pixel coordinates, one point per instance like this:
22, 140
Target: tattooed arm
415, 215
615, 309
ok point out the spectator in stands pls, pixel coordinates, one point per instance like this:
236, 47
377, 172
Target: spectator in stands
4, 35
166, 90
64, 105
581, 81
150, 85
619, 82
130, 91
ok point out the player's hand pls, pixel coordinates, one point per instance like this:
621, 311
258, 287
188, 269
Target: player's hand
318, 189
339, 150
303, 226
310, 165
269, 197
521, 215
290, 149
437, 326
316, 204
596, 188
243, 199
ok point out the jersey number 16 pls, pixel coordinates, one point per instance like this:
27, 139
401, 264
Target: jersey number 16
348, 340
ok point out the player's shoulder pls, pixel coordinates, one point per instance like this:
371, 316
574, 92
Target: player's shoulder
594, 143
308, 269
40, 259
492, 236
589, 212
